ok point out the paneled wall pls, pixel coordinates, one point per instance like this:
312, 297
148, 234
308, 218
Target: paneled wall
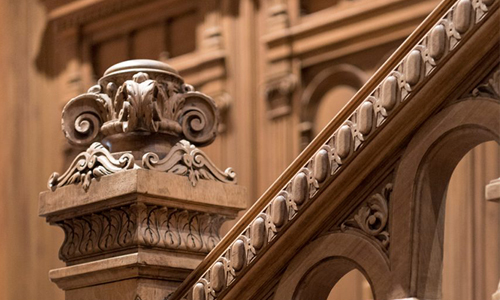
280, 70
31, 150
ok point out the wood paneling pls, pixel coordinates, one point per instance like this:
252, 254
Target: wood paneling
31, 143
472, 238
259, 148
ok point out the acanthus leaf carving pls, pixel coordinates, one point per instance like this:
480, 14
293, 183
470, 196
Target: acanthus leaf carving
139, 225
372, 217
187, 160
141, 97
93, 163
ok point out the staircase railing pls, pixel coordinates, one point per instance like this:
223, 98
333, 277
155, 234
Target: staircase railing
385, 93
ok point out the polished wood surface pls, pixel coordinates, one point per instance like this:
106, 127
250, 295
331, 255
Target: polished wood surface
239, 50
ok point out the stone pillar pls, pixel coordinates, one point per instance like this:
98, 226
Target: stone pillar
142, 206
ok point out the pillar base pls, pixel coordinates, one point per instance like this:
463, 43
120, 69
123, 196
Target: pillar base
136, 234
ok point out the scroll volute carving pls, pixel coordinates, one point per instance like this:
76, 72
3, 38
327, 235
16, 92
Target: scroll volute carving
140, 106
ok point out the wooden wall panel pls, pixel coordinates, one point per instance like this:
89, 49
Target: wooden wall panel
149, 42
259, 148
31, 150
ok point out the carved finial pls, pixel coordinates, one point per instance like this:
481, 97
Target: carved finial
141, 110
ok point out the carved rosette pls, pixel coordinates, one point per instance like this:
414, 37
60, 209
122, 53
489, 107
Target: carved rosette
138, 225
147, 117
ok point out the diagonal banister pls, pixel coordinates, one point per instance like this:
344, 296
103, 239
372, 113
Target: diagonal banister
382, 96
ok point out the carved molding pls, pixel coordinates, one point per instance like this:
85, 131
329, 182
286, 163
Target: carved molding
187, 160
394, 91
224, 101
94, 163
279, 93
138, 225
372, 217
278, 16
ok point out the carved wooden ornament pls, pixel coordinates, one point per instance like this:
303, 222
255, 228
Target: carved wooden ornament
145, 116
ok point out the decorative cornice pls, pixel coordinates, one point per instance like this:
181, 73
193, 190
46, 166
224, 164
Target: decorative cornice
372, 217
81, 12
187, 160
392, 92
94, 163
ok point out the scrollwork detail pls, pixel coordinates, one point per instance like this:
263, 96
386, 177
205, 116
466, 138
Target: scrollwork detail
94, 163
187, 160
83, 116
372, 216
199, 118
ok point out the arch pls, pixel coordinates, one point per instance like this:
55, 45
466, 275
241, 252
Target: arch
343, 74
417, 208
320, 265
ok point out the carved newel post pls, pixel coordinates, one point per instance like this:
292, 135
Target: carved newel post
142, 206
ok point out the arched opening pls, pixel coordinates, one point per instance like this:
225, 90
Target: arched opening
323, 267
330, 104
325, 96
471, 261
420, 189
353, 286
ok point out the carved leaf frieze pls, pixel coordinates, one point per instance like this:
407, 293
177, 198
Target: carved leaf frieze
372, 217
94, 163
139, 225
187, 160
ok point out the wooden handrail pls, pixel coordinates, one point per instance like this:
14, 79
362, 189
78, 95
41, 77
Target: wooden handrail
372, 84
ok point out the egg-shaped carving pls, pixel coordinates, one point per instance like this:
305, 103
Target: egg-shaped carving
258, 233
238, 255
299, 188
462, 16
412, 67
199, 291
217, 276
343, 141
278, 211
388, 93
321, 165
437, 42
365, 117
